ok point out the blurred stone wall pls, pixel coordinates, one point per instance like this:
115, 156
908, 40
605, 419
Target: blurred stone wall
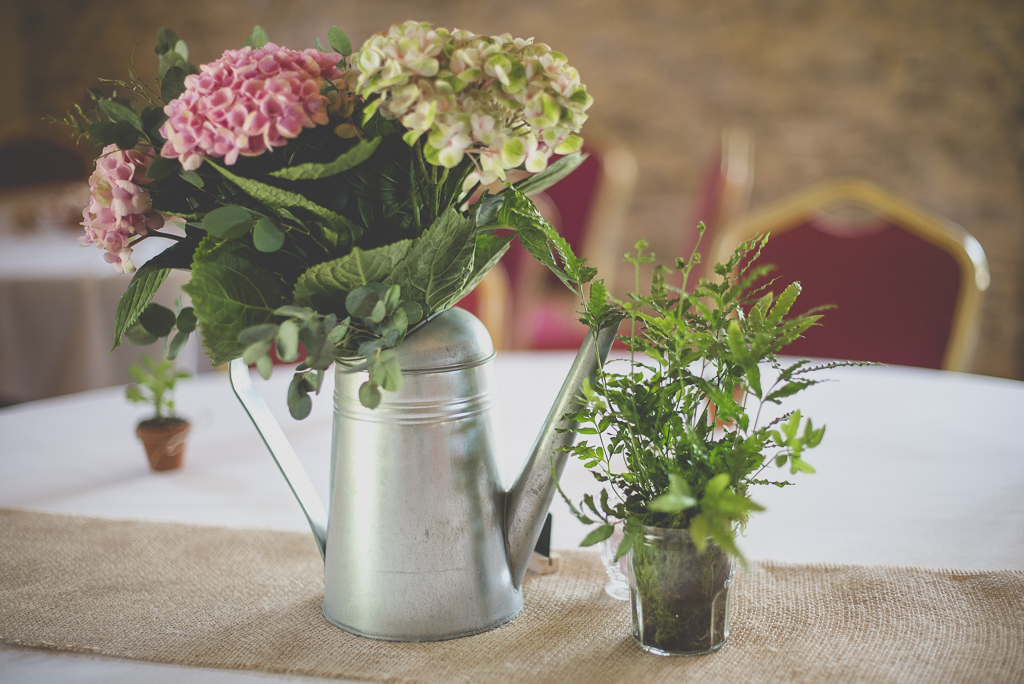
925, 98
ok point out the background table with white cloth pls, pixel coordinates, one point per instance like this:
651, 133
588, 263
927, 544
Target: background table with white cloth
57, 304
917, 467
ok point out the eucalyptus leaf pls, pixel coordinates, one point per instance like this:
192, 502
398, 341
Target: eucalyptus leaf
158, 320
267, 236
186, 321
339, 41
139, 336
119, 112
162, 167
229, 222
178, 343
125, 135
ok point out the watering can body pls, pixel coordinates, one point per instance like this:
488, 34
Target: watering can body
422, 542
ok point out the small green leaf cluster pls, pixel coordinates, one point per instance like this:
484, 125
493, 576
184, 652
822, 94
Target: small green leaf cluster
158, 321
363, 341
677, 439
155, 383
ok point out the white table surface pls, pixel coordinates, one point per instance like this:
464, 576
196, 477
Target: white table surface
917, 467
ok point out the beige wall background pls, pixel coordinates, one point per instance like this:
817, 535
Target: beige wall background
924, 98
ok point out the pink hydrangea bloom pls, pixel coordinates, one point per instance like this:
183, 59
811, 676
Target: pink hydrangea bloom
119, 209
246, 103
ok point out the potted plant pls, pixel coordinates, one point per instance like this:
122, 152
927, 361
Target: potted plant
165, 433
679, 442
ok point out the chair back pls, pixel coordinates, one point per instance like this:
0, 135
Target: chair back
906, 286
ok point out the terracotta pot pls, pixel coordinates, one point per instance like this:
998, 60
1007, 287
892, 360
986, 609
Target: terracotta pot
164, 439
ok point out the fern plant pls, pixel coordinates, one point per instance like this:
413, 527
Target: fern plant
677, 436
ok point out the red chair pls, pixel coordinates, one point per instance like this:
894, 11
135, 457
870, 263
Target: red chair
907, 287
589, 208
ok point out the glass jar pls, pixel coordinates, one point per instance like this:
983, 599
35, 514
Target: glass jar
617, 586
679, 596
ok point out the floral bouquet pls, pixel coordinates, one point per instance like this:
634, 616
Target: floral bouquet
322, 197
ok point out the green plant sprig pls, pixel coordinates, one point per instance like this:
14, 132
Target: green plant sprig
675, 444
155, 383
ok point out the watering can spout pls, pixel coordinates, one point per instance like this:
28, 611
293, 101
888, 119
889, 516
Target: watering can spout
527, 502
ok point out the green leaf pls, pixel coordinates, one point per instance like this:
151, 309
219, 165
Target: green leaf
266, 236
487, 253
265, 365
339, 41
598, 534
146, 282
352, 157
288, 341
231, 291
166, 39
539, 182
136, 298
125, 135
172, 85
119, 112
299, 403
342, 233
192, 177
784, 304
102, 132
257, 39
257, 333
326, 286
162, 167
157, 320
228, 222
187, 321
139, 336
369, 395
177, 344
438, 263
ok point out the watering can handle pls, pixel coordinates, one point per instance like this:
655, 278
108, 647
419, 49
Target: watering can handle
273, 436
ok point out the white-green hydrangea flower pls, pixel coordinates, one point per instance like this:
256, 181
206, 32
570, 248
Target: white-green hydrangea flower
506, 102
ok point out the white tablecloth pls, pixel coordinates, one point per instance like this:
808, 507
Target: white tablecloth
57, 304
917, 467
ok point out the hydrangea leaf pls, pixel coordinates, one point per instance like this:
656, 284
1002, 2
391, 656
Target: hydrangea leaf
146, 282
231, 291
342, 234
488, 252
354, 156
438, 262
325, 286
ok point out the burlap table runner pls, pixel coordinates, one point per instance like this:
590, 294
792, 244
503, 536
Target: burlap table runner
250, 599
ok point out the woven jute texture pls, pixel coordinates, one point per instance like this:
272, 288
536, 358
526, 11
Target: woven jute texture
250, 599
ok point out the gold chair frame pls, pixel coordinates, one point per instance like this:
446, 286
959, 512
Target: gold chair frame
944, 234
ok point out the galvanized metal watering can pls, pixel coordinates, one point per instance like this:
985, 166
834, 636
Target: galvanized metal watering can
422, 543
